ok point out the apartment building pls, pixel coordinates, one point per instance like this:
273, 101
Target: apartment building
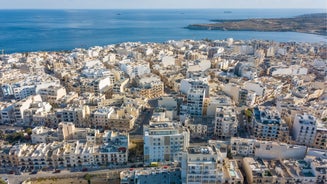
41, 134
122, 118
232, 173
304, 129
268, 125
150, 86
266, 149
134, 69
52, 93
242, 147
202, 164
163, 140
278, 171
225, 122
187, 84
257, 172
195, 102
164, 175
71, 153
320, 141
73, 113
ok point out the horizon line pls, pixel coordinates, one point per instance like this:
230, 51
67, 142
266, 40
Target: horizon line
285, 8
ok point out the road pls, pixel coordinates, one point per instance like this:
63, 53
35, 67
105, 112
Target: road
17, 179
243, 130
143, 119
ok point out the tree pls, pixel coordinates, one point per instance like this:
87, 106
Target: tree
28, 131
88, 178
2, 181
2, 135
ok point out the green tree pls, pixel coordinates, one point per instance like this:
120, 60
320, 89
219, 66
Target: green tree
2, 181
88, 178
2, 135
28, 131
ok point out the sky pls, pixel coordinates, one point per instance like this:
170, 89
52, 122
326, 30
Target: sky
160, 4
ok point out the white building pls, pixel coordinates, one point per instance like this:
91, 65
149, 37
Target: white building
163, 140
256, 87
167, 61
304, 129
23, 105
268, 124
202, 164
278, 151
41, 134
187, 84
217, 101
225, 122
269, 150
195, 102
52, 93
242, 147
285, 70
133, 69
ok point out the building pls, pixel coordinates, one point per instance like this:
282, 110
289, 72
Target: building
122, 118
217, 101
134, 69
277, 171
195, 102
232, 173
41, 134
268, 125
150, 86
114, 149
225, 122
52, 93
187, 84
318, 161
270, 150
304, 129
163, 140
73, 113
202, 164
66, 130
256, 171
242, 147
238, 94
321, 137
22, 111
163, 175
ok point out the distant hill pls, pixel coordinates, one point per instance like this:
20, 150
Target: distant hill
308, 23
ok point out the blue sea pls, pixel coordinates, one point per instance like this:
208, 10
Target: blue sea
50, 30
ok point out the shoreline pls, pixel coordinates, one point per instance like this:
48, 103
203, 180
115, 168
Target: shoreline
308, 23
105, 45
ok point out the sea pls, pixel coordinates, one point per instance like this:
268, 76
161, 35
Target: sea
57, 30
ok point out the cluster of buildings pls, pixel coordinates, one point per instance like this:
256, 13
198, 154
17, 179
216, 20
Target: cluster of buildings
67, 147
261, 104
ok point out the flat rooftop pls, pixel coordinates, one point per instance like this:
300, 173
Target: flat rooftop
200, 150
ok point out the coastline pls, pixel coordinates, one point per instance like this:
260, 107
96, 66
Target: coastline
308, 23
105, 27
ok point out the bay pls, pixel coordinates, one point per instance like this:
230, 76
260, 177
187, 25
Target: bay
54, 30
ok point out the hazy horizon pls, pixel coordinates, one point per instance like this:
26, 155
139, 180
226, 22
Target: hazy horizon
161, 4
161, 9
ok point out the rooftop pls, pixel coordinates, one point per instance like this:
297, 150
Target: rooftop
200, 150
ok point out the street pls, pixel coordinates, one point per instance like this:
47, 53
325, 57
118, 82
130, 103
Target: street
17, 179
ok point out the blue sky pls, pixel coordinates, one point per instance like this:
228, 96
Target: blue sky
164, 4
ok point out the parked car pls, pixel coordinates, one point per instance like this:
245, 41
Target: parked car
84, 169
11, 172
34, 172
57, 171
